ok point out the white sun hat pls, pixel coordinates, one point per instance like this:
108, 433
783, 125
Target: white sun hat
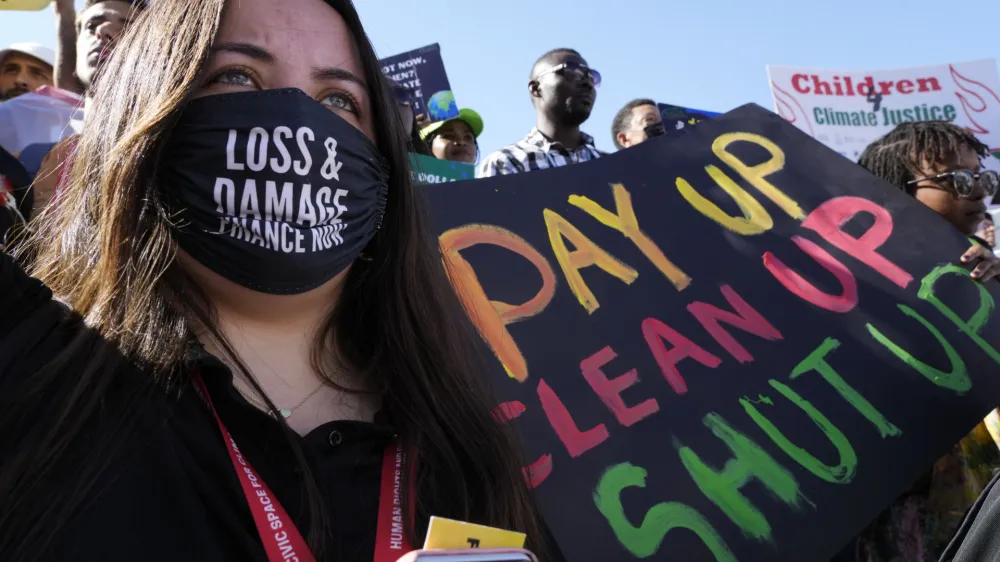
37, 50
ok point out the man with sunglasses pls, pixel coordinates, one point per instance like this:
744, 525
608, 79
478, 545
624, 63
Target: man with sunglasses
940, 165
563, 89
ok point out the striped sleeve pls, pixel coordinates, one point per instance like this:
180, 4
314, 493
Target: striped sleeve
496, 164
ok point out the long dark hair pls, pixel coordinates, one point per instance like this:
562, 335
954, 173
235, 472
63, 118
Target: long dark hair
108, 253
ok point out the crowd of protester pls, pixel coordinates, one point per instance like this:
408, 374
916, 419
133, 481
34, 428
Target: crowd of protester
97, 236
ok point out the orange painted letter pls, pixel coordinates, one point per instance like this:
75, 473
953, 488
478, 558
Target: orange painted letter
492, 317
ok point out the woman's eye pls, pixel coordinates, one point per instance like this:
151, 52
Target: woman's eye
234, 78
339, 101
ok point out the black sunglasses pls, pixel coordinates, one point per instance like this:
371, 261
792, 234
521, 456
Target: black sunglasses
964, 182
574, 71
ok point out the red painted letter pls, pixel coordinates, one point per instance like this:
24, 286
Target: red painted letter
844, 302
655, 332
577, 442
610, 390
536, 472
745, 318
797, 81
829, 217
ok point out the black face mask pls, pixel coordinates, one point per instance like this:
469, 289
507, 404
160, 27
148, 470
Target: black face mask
655, 130
272, 190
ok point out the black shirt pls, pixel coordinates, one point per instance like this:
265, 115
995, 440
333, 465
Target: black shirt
173, 494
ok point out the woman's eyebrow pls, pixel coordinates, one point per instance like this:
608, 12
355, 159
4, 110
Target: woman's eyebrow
335, 73
246, 49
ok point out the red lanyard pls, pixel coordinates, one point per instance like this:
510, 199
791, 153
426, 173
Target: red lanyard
282, 540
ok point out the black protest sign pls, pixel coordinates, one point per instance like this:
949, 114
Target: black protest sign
729, 345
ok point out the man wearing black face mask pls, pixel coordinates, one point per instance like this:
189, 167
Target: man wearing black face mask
563, 90
635, 123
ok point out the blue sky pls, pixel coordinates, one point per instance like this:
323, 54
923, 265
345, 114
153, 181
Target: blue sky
708, 54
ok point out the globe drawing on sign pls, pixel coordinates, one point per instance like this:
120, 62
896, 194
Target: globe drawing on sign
442, 106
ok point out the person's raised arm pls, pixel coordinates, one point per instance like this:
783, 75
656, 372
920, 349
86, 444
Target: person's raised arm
64, 71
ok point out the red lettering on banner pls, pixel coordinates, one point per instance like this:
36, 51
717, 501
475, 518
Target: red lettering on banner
609, 390
655, 332
745, 318
797, 83
536, 472
797, 285
576, 442
828, 219
509, 411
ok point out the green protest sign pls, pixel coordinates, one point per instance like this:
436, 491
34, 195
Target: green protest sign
427, 169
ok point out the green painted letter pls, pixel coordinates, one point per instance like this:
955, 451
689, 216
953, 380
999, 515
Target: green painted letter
957, 380
645, 540
978, 320
723, 486
817, 362
843, 472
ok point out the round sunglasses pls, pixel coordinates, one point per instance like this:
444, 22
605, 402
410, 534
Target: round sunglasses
964, 182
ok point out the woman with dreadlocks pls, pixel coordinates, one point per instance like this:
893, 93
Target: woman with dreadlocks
940, 165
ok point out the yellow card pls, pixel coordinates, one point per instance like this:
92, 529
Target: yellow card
449, 534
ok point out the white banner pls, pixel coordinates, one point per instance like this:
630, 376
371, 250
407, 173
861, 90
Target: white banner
848, 109
44, 116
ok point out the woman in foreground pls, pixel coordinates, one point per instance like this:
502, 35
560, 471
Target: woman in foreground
240, 253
